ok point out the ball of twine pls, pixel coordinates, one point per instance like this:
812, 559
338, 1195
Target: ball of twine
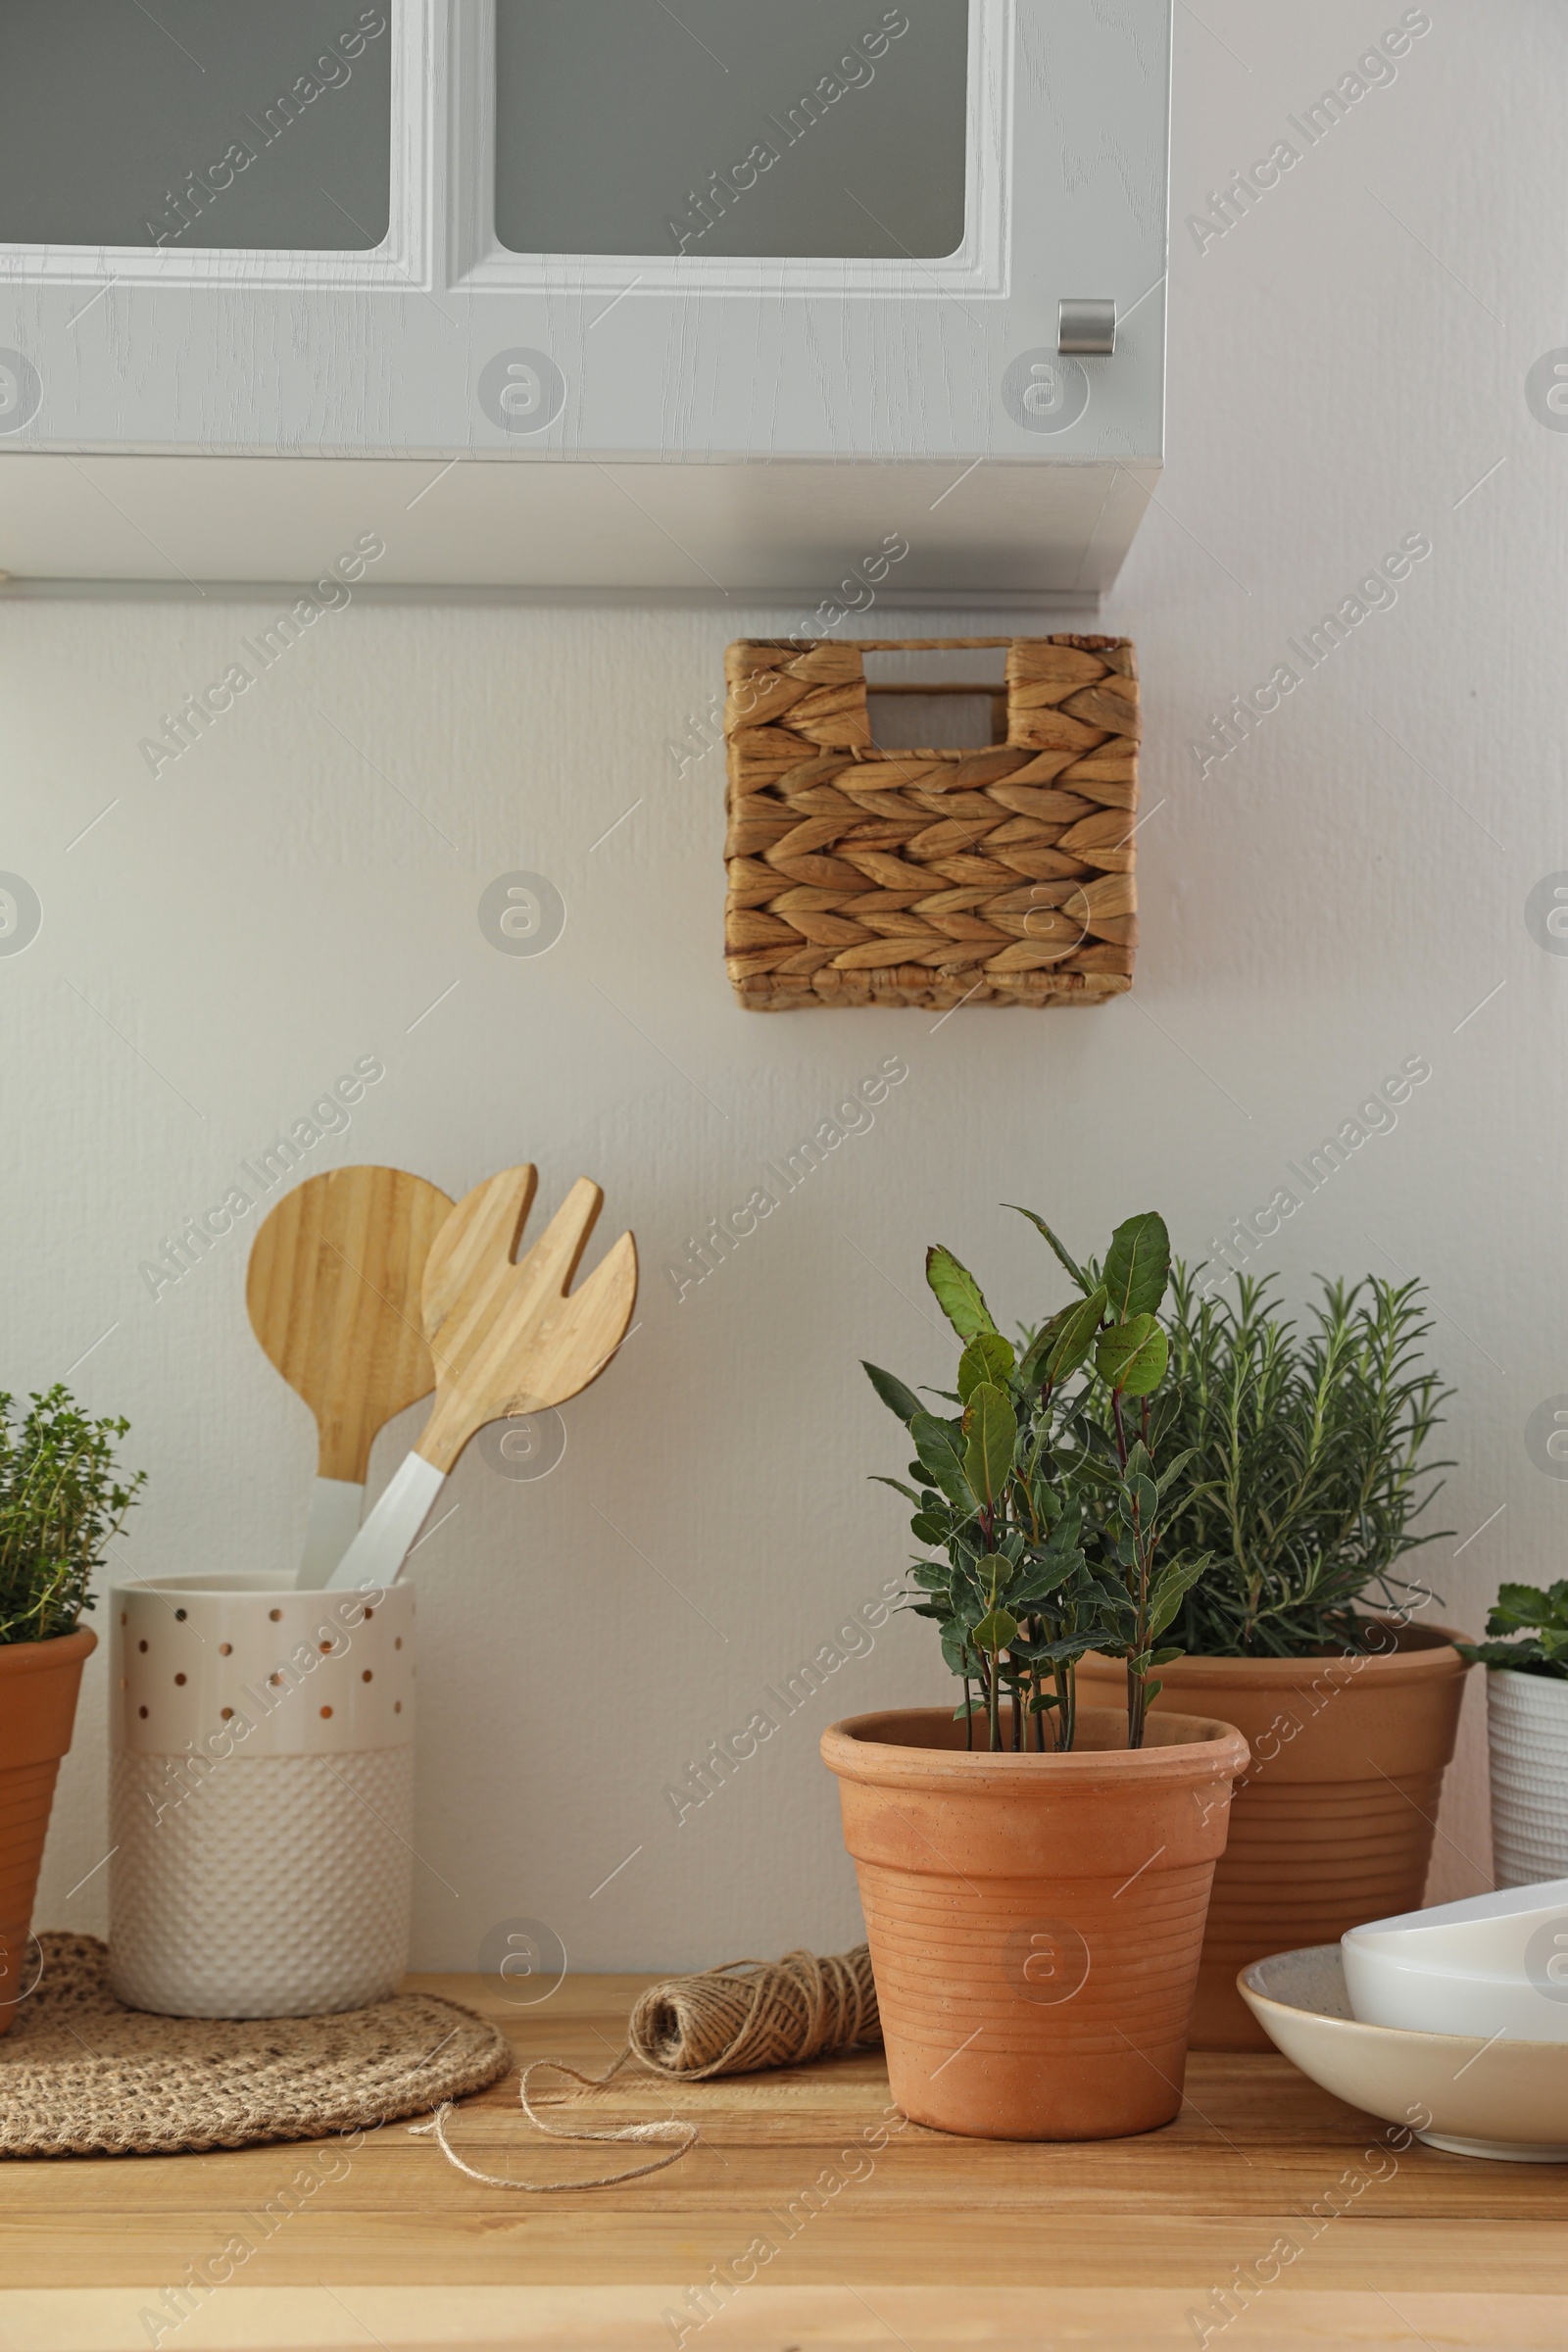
732, 2020
748, 2014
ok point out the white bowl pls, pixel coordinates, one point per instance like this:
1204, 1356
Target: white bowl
1456, 2091
1493, 1964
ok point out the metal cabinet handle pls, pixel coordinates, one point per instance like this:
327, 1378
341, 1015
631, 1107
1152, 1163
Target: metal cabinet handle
1086, 330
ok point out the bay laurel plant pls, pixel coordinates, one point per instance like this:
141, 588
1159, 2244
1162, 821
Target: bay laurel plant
1041, 1495
62, 1503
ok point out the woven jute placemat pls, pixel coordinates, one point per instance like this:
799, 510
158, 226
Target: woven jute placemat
81, 2075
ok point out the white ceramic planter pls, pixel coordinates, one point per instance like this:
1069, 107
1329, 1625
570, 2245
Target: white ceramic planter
1526, 1723
262, 1796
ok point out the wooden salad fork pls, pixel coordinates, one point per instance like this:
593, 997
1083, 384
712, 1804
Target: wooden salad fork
506, 1337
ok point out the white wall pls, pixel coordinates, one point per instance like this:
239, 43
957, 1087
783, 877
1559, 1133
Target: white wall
1340, 894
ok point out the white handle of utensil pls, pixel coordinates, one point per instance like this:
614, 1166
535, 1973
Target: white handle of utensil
332, 1527
377, 1552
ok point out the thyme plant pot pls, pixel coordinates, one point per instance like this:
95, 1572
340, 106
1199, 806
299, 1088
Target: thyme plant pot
38, 1685
1035, 1921
1527, 1727
1333, 1824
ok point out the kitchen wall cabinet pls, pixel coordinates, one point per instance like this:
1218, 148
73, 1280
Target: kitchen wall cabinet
695, 301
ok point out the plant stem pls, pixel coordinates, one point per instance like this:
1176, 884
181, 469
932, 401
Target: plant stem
987, 1694
1065, 1731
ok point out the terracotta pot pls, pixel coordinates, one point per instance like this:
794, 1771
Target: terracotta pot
1035, 1921
1333, 1824
38, 1685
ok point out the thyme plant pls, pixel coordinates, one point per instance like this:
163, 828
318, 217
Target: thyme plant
62, 1503
1302, 1470
1050, 1516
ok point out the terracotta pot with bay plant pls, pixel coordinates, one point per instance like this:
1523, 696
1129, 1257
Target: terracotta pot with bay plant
1527, 1725
1035, 1879
1301, 1477
61, 1504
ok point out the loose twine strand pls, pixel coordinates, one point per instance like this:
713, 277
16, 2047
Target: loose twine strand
732, 2020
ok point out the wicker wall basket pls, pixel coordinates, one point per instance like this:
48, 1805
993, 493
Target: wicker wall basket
859, 876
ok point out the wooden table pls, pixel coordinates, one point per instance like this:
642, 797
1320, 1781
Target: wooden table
1171, 2239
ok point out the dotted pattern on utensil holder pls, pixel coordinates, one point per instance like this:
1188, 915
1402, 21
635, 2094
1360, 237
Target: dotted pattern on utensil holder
1527, 1720
861, 876
249, 1666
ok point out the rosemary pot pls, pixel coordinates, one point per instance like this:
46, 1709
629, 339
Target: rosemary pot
1035, 1920
1333, 1824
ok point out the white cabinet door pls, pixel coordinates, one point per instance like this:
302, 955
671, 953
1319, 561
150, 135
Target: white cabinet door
699, 300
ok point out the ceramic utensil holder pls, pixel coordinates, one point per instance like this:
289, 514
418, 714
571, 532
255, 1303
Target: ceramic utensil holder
1527, 1720
262, 1796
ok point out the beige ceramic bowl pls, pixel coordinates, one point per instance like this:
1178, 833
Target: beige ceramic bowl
1455, 2092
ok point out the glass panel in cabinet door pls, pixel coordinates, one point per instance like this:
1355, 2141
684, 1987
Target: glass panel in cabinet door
190, 124
753, 128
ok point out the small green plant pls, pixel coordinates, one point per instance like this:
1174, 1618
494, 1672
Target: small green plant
1301, 1461
1539, 1618
1050, 1517
62, 1503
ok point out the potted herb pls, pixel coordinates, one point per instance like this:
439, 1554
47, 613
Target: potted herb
1303, 1475
1526, 1723
62, 1503
1034, 1875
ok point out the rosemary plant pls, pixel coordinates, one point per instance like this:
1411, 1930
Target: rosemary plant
1050, 1516
62, 1503
1302, 1461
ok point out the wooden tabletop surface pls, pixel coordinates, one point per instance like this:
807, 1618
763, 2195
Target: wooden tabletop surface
794, 2221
